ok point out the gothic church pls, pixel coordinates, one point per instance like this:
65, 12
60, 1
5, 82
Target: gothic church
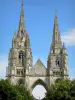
20, 68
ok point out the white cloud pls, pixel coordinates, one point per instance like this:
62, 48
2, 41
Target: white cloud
69, 37
3, 64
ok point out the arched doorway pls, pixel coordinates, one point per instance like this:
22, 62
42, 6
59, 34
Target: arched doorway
39, 88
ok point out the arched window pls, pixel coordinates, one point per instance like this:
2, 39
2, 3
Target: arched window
57, 62
21, 57
18, 71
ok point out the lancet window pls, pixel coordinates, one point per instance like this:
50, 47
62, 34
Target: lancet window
21, 58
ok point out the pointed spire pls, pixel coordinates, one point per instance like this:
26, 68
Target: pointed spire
64, 51
21, 22
56, 42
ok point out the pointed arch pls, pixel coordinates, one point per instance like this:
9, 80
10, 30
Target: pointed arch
39, 82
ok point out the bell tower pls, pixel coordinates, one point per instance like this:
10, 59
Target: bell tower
20, 55
20, 68
57, 64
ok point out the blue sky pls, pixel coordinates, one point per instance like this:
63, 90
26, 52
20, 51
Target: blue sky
39, 19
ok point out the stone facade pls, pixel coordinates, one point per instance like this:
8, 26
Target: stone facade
20, 68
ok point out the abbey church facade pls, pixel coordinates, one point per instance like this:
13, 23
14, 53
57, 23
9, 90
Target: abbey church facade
20, 68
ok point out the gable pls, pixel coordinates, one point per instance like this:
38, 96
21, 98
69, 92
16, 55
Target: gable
39, 64
38, 69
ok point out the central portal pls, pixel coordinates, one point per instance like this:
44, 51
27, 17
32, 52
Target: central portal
39, 88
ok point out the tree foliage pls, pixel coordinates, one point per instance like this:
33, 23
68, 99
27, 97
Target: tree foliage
61, 90
10, 92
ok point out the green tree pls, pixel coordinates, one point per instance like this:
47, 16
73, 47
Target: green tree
7, 91
23, 92
60, 90
10, 92
72, 90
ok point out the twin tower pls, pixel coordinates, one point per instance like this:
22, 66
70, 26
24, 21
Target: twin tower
20, 68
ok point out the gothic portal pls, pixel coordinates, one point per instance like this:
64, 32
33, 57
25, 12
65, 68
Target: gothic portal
20, 68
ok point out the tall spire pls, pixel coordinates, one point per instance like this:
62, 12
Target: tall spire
56, 42
21, 22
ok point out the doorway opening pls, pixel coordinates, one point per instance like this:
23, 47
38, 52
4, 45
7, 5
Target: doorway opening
39, 92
